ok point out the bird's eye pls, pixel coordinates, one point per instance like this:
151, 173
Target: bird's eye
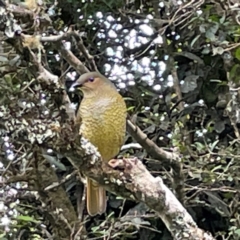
91, 79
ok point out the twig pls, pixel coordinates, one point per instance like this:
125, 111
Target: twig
57, 184
72, 60
131, 145
168, 158
85, 52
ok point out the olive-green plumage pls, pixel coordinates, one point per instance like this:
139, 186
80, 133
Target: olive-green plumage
103, 122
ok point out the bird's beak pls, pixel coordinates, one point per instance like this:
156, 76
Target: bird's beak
76, 85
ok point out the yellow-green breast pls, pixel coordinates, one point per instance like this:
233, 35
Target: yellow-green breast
104, 121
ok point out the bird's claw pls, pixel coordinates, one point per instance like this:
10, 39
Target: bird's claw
122, 164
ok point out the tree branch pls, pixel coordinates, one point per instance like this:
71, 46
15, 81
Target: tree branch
129, 178
72, 60
61, 212
168, 158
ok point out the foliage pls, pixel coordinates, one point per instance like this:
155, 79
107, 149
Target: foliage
177, 65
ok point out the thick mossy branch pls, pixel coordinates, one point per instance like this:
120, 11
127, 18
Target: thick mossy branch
129, 178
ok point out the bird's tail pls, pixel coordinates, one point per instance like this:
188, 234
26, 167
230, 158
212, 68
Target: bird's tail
96, 198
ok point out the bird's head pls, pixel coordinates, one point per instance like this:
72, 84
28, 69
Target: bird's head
92, 81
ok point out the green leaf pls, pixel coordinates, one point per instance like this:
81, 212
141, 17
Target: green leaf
216, 168
194, 40
96, 228
210, 35
130, 108
237, 232
222, 19
2, 236
235, 73
237, 53
211, 32
26, 218
213, 145
199, 146
53, 161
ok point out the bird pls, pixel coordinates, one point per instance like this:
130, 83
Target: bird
102, 113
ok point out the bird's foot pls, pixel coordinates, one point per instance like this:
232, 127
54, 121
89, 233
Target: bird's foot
123, 164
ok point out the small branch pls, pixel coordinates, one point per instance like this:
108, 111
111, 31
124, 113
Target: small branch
168, 158
14, 179
72, 60
56, 38
18, 11
47, 77
59, 183
131, 145
85, 52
